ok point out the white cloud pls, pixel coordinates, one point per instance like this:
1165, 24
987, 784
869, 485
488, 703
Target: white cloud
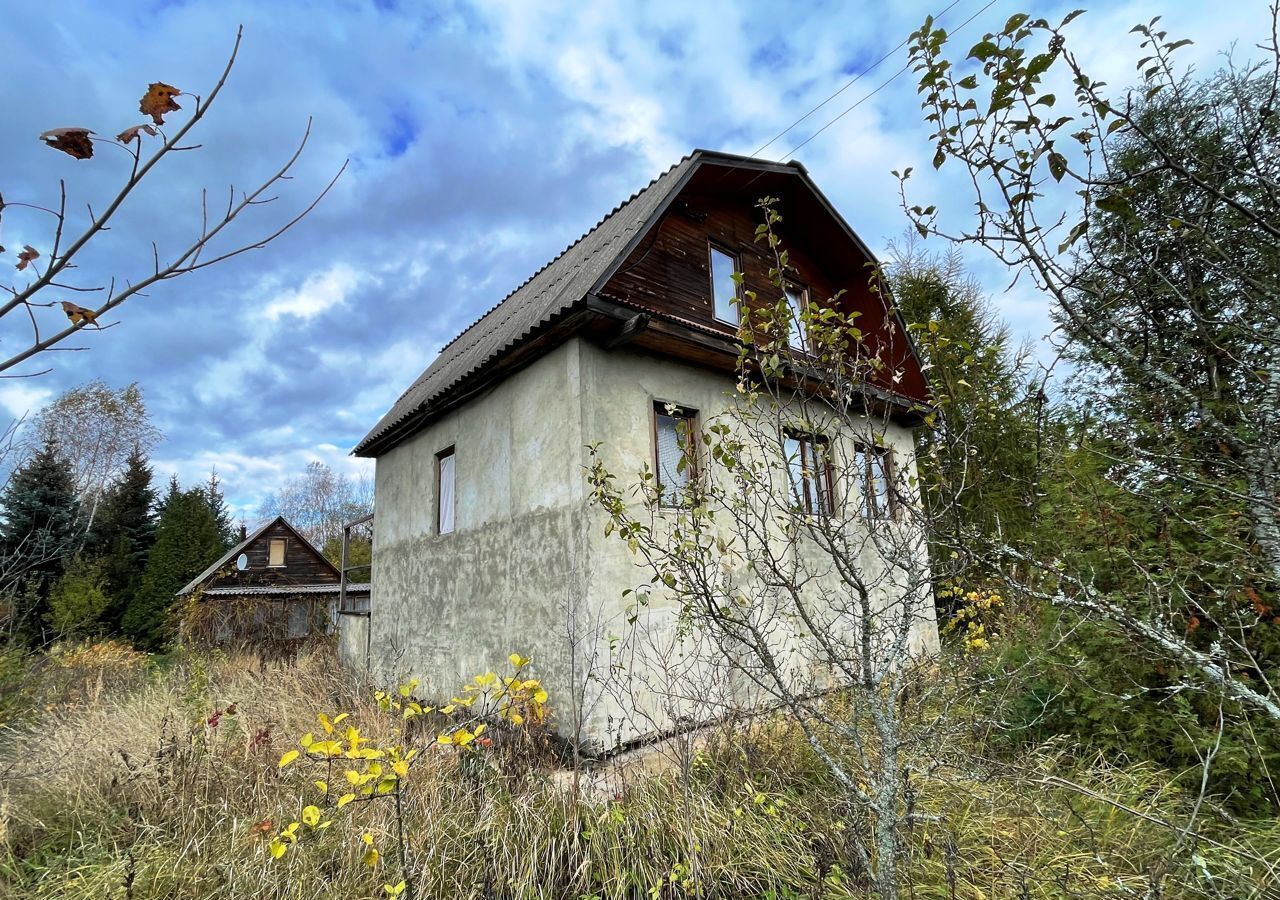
20, 398
319, 293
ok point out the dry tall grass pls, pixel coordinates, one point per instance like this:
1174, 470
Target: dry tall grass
132, 793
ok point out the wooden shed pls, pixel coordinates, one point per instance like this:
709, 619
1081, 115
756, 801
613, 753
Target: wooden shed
274, 585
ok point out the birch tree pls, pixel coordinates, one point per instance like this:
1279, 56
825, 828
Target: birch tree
1151, 218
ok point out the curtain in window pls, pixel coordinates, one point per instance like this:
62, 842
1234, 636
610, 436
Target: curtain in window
672, 478
796, 302
794, 449
874, 472
446, 501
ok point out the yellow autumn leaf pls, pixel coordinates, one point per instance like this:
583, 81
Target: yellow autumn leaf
321, 786
340, 716
310, 815
289, 756
486, 679
277, 848
394, 890
307, 739
401, 768
447, 709
480, 729
518, 661
371, 857
540, 697
325, 723
445, 740
345, 799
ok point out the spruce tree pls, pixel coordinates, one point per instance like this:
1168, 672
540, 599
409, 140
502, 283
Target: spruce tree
187, 542
37, 537
218, 508
123, 535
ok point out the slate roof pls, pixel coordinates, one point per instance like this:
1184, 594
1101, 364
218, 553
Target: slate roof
550, 292
280, 590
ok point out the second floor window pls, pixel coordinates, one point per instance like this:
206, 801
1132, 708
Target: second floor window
797, 301
809, 471
275, 555
675, 458
724, 290
873, 468
445, 493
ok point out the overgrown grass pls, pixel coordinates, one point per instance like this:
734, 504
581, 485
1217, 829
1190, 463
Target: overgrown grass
133, 793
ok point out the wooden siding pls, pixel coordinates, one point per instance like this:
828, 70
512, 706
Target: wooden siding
302, 563
669, 272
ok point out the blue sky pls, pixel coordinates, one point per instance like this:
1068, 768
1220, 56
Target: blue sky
482, 140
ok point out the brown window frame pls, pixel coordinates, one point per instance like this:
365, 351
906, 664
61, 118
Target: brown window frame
870, 454
284, 553
690, 415
824, 476
714, 246
449, 452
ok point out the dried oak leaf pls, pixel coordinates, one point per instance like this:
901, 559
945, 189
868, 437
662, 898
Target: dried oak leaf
27, 255
158, 100
131, 133
74, 141
80, 314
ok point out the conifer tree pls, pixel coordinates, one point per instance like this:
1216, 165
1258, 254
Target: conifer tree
218, 508
39, 532
123, 535
977, 460
187, 542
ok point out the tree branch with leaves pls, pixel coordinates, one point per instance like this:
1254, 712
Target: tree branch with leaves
50, 269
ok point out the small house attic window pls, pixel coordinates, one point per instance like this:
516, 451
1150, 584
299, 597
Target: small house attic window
724, 290
275, 556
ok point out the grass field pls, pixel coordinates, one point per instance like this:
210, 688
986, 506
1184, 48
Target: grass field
128, 778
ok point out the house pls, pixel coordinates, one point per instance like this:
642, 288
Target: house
272, 586
485, 537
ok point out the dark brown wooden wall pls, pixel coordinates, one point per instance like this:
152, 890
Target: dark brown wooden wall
669, 273
302, 565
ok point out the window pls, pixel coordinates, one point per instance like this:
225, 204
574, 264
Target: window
874, 472
797, 301
724, 290
674, 450
446, 498
809, 468
275, 557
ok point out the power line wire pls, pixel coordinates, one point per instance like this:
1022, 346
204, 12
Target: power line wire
848, 84
882, 85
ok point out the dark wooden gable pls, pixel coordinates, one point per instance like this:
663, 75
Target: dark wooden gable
668, 271
303, 564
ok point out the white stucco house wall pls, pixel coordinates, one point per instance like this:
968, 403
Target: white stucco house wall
486, 540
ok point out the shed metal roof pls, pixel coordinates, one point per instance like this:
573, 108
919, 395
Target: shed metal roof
280, 590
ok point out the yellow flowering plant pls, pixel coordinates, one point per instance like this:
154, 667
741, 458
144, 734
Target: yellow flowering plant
351, 768
973, 622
